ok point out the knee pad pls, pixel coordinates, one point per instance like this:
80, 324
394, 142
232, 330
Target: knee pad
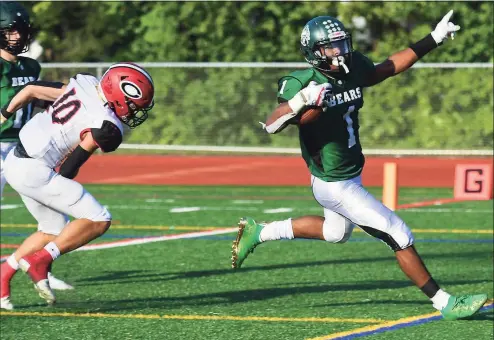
89, 208
402, 235
337, 232
103, 216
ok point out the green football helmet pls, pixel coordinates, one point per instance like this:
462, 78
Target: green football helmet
325, 42
14, 17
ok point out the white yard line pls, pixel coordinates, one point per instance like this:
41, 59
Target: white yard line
137, 241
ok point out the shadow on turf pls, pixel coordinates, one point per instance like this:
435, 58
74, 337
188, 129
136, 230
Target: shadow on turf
242, 296
144, 276
483, 316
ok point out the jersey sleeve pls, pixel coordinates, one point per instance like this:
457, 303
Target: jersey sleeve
289, 85
108, 136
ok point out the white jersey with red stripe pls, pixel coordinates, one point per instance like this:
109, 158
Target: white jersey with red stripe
53, 134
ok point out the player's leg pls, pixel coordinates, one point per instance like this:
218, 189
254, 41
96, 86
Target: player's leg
34, 179
92, 220
50, 224
354, 202
6, 271
332, 228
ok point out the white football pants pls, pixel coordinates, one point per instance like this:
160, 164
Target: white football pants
348, 203
50, 197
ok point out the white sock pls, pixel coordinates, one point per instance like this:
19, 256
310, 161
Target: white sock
13, 262
277, 230
53, 250
440, 300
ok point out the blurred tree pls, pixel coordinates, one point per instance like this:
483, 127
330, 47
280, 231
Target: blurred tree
86, 31
422, 108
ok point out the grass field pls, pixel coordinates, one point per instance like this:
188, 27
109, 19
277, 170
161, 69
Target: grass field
185, 288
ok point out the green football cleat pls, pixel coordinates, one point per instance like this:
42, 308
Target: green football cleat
459, 307
247, 239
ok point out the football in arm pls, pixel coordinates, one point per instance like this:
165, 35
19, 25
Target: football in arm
311, 114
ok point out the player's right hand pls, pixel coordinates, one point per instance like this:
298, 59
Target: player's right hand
314, 94
445, 29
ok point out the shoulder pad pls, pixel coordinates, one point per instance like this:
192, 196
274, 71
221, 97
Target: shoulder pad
289, 85
84, 74
108, 136
361, 61
303, 76
32, 63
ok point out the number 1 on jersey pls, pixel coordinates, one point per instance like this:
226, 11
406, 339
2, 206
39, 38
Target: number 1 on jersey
349, 127
283, 86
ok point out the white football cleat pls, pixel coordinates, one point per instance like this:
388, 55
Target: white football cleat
6, 304
58, 284
45, 292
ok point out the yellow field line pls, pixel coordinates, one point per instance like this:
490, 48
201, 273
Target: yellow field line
383, 325
190, 317
159, 227
449, 231
375, 327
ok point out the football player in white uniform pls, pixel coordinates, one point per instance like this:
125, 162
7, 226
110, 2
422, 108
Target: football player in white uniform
87, 114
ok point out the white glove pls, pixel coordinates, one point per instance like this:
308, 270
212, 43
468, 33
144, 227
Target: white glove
312, 95
445, 29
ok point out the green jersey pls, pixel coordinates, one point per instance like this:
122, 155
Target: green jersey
331, 144
14, 77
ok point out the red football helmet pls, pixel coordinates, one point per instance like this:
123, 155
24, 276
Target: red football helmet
129, 91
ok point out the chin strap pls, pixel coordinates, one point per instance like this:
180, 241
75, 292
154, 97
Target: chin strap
340, 62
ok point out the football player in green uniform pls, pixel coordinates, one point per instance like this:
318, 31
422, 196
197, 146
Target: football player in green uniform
16, 34
331, 148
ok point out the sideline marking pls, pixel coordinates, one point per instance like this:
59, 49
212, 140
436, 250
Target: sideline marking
439, 201
191, 317
122, 226
134, 241
392, 325
10, 206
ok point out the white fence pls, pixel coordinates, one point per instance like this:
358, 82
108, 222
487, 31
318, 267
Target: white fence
296, 151
100, 67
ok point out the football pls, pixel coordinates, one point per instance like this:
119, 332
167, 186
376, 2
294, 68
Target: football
310, 115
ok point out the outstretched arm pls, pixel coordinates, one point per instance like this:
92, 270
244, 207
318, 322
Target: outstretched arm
403, 60
42, 90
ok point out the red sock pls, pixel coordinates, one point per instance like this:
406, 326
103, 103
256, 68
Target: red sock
43, 256
7, 272
38, 264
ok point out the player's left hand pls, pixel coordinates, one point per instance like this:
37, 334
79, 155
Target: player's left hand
445, 29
